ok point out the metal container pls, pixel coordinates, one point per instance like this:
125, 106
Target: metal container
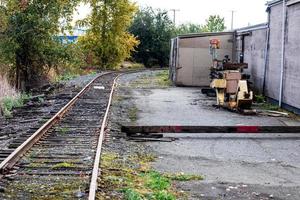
190, 58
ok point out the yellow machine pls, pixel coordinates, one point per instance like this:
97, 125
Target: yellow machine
229, 82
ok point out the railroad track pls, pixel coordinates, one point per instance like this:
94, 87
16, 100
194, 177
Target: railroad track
61, 159
15, 131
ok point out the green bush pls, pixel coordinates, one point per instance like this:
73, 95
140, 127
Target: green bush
163, 195
156, 181
130, 194
66, 77
260, 98
9, 103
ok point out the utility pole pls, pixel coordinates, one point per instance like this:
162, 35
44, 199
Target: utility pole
174, 14
232, 17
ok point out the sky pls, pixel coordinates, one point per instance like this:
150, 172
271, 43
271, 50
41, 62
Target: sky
246, 12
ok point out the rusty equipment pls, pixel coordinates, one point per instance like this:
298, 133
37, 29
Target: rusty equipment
229, 82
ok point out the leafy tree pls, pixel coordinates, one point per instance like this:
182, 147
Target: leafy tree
27, 41
154, 29
214, 23
189, 28
107, 37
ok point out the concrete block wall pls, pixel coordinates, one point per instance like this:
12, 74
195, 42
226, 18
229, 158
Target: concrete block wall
291, 84
274, 58
254, 55
254, 52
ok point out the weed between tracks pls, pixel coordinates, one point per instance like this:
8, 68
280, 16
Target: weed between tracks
63, 130
134, 179
63, 165
52, 189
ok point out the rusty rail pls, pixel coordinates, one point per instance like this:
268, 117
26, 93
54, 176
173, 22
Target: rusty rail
96, 170
13, 158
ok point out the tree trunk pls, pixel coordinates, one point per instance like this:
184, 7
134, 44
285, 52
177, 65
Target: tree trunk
103, 34
17, 86
22, 80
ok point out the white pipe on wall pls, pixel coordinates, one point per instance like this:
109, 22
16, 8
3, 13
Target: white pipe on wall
284, 13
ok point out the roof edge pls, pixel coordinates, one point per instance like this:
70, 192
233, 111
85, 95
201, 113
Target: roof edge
273, 3
252, 28
191, 35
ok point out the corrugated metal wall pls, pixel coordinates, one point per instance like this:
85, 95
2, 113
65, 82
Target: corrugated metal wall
191, 60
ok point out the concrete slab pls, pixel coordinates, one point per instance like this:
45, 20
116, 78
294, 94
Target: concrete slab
235, 167
188, 106
251, 164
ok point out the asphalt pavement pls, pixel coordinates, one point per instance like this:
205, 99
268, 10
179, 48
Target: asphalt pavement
234, 166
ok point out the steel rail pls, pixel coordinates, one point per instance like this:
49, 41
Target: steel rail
96, 169
13, 158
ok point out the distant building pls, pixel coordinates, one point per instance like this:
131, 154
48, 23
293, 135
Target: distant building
72, 38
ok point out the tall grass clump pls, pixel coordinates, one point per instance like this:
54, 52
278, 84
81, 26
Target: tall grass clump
5, 88
9, 97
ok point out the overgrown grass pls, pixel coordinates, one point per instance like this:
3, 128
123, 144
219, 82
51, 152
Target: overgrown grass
134, 179
269, 106
63, 165
156, 181
260, 98
6, 90
9, 103
131, 66
63, 130
132, 194
10, 98
163, 78
66, 77
132, 114
158, 79
184, 177
263, 104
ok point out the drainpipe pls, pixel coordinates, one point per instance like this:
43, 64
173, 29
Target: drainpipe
266, 54
282, 50
243, 50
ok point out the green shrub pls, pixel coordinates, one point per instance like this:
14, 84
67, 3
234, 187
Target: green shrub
164, 195
66, 77
63, 165
130, 194
260, 98
9, 103
156, 181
